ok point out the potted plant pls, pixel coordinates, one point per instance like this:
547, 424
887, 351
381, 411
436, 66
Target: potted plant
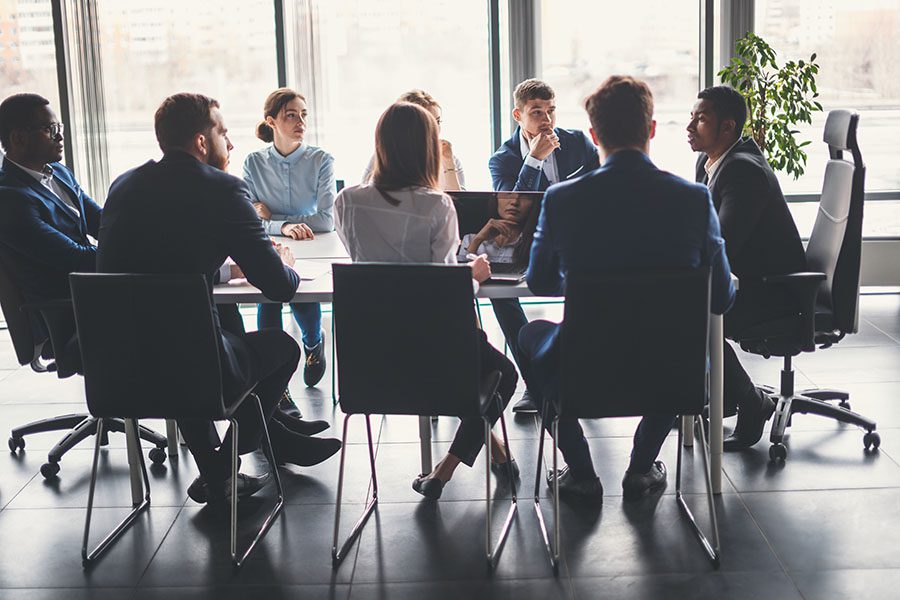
777, 99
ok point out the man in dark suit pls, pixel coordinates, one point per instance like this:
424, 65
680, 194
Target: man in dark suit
625, 215
760, 237
149, 225
45, 216
537, 155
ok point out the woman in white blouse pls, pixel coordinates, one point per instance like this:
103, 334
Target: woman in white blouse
401, 216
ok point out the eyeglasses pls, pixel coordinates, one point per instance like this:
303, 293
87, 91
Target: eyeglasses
54, 129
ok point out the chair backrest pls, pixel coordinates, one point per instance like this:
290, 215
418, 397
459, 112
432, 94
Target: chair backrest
21, 327
406, 339
835, 244
149, 345
635, 343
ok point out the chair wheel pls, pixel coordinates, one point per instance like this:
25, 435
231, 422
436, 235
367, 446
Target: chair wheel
16, 444
158, 456
777, 452
845, 405
872, 440
49, 469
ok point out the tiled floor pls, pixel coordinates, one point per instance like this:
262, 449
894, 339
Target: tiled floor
822, 526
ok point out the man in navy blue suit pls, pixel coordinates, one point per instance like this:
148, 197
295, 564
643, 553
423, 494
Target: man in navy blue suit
45, 216
150, 225
625, 215
537, 155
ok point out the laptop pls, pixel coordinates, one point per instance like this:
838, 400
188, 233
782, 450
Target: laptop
475, 209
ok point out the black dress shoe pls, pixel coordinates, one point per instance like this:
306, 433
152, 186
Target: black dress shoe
302, 450
287, 405
588, 490
430, 487
502, 470
314, 369
526, 405
299, 425
752, 417
247, 485
638, 485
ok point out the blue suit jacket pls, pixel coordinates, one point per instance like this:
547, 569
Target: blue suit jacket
150, 226
575, 156
41, 239
627, 214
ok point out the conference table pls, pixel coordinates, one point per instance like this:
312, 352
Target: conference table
314, 258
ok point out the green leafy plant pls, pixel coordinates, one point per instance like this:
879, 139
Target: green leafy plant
777, 99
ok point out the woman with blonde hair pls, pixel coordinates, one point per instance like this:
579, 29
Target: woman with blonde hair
400, 215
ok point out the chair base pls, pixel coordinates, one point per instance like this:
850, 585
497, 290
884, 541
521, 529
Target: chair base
813, 402
492, 550
711, 547
237, 558
81, 427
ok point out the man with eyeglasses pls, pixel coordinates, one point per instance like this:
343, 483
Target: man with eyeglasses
45, 217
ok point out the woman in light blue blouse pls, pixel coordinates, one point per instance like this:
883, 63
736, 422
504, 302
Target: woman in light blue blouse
293, 188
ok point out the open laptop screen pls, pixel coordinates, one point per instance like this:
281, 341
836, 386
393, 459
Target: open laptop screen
507, 247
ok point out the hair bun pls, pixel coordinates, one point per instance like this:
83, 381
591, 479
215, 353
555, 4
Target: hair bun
265, 132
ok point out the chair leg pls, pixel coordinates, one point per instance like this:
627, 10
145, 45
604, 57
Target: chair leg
86, 556
551, 546
338, 555
712, 549
236, 560
493, 553
172, 437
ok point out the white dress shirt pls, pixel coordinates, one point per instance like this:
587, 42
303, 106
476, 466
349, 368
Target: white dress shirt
548, 165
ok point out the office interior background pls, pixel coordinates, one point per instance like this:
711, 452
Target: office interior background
106, 64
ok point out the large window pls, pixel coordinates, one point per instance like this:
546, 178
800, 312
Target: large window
585, 41
361, 55
859, 56
27, 51
154, 48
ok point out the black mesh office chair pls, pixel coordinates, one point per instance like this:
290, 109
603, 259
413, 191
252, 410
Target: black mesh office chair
612, 365
30, 341
828, 295
422, 318
141, 362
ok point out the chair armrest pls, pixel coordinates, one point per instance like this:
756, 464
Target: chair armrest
488, 390
804, 287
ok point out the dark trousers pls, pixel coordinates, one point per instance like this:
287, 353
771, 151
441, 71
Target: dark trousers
539, 346
753, 305
470, 434
273, 358
511, 318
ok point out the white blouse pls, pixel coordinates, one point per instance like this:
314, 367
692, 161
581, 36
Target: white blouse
421, 229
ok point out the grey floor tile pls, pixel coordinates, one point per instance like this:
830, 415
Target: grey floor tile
829, 459
245, 592
820, 530
848, 584
296, 550
653, 537
842, 365
516, 589
733, 586
24, 386
44, 546
67, 594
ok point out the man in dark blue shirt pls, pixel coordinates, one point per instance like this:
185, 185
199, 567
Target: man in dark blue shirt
625, 215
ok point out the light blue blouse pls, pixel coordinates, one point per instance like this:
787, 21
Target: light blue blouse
297, 188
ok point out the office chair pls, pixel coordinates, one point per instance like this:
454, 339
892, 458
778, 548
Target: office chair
143, 363
48, 328
610, 335
422, 319
828, 295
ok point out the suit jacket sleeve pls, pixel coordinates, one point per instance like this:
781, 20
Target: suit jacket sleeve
23, 229
252, 249
743, 193
510, 174
544, 277
722, 291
